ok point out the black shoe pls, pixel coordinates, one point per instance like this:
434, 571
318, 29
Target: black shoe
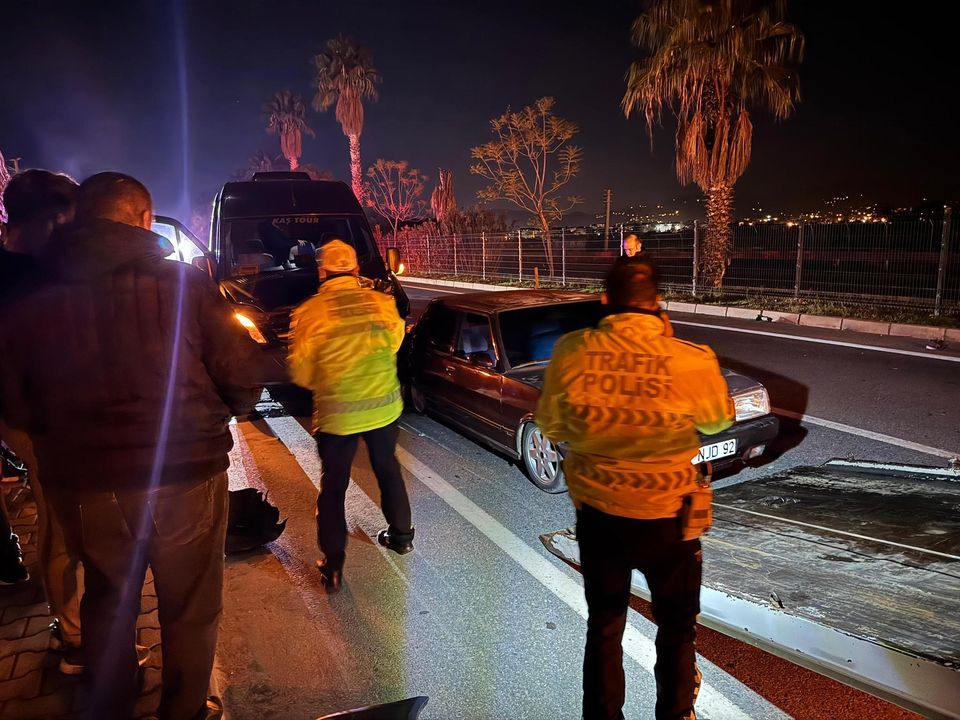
331, 578
400, 543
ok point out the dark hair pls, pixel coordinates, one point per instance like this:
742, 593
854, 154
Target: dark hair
632, 281
113, 196
37, 194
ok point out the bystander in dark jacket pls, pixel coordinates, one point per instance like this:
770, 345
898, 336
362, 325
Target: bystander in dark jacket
125, 369
146, 351
38, 202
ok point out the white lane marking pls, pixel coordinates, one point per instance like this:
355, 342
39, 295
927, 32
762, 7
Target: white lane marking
821, 341
639, 647
948, 556
870, 434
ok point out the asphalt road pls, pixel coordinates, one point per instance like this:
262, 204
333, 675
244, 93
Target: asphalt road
480, 617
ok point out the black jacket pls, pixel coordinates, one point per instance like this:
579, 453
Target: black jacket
124, 367
19, 273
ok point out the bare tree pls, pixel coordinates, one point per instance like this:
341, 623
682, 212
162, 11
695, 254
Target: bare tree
7, 171
520, 164
394, 191
4, 179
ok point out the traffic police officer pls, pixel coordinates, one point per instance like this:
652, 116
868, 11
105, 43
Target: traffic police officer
343, 347
627, 399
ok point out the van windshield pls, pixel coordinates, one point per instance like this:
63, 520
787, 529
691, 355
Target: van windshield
287, 242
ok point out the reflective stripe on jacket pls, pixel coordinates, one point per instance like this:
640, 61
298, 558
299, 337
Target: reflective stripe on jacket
627, 399
343, 346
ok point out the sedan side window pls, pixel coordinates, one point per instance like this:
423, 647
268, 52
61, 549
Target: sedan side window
439, 325
475, 337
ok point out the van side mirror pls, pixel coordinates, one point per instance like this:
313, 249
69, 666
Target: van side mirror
393, 261
205, 263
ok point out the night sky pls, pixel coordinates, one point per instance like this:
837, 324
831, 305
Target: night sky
89, 86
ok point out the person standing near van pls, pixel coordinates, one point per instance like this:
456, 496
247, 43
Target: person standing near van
38, 203
343, 347
628, 399
125, 370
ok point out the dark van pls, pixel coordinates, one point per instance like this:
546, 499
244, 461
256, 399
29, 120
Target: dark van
264, 234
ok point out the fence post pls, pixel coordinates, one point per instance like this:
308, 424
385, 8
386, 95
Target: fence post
799, 269
944, 252
563, 256
519, 256
483, 254
455, 273
696, 244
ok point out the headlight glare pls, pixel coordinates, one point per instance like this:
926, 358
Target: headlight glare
751, 404
251, 327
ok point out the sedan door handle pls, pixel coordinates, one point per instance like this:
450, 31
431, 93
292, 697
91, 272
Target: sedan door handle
449, 369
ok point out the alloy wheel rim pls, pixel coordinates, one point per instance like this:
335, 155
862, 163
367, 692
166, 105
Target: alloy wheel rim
542, 457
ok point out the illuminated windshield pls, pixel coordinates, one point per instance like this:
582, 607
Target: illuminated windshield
529, 334
287, 242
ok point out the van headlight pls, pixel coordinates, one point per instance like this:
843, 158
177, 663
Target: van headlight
251, 327
751, 404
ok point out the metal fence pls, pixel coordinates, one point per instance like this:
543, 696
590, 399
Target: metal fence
899, 264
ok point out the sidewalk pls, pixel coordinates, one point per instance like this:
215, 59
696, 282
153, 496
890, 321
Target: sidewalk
31, 686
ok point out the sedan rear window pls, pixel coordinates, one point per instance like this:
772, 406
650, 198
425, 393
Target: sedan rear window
529, 334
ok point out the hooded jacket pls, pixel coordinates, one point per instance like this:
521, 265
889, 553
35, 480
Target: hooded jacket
628, 399
124, 367
343, 347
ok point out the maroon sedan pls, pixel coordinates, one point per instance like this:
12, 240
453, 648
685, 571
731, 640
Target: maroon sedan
477, 362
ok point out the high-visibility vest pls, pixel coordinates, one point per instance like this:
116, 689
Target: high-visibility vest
343, 347
627, 399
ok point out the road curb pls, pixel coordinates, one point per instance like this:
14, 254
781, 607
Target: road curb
921, 332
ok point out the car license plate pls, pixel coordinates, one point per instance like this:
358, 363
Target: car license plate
715, 451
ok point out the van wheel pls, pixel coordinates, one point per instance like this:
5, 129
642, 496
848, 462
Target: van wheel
541, 460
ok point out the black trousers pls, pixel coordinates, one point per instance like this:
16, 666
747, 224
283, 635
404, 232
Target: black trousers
611, 547
336, 457
179, 532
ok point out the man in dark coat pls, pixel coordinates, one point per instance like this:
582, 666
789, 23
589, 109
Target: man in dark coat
37, 202
125, 371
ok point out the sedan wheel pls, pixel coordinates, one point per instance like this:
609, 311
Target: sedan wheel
541, 460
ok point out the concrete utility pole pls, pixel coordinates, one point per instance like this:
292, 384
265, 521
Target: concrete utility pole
607, 198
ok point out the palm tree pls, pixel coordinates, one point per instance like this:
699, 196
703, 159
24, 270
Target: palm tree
286, 116
710, 62
346, 76
261, 161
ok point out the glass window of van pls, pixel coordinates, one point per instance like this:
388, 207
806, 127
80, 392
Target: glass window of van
286, 242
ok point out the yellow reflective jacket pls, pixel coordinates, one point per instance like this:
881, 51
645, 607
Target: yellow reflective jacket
627, 398
343, 346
